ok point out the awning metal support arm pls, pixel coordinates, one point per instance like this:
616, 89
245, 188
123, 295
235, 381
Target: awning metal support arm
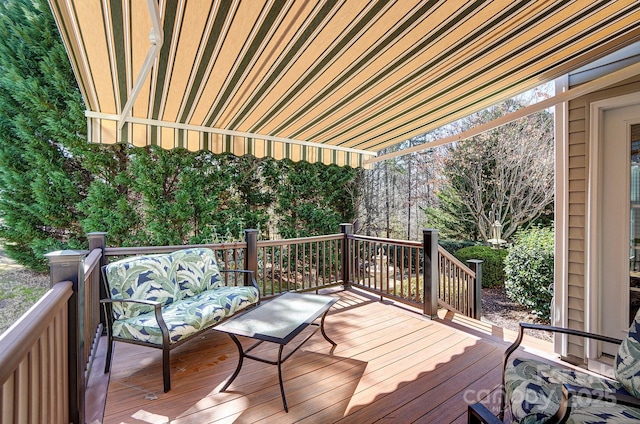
156, 38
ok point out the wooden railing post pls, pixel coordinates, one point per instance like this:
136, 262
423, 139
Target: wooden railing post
98, 240
346, 229
476, 296
251, 255
430, 269
67, 265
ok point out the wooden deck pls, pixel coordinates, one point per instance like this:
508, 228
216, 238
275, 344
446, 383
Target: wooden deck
390, 364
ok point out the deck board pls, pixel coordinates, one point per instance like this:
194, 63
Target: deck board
390, 364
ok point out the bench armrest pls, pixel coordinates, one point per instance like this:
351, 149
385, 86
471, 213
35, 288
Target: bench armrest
252, 278
153, 303
157, 310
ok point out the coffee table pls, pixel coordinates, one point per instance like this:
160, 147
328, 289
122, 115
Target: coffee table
277, 321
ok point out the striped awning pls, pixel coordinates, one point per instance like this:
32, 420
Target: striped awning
333, 81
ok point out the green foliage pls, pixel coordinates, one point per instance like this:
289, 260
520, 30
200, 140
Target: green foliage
529, 270
162, 197
314, 199
41, 129
452, 246
451, 218
492, 266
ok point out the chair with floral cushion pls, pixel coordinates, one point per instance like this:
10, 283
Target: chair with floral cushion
538, 392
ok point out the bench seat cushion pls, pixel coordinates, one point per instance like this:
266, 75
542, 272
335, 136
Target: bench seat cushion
188, 316
234, 299
534, 390
183, 319
196, 271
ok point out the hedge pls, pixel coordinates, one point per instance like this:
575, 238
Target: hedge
529, 270
492, 266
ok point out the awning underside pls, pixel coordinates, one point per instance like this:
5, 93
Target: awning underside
330, 81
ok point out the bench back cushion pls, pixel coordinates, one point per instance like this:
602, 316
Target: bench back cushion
627, 365
149, 277
196, 271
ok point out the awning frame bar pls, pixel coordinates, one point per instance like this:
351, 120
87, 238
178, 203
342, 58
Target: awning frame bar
588, 87
200, 128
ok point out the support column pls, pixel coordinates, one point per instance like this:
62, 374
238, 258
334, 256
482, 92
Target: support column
98, 240
430, 269
476, 299
67, 265
346, 230
251, 254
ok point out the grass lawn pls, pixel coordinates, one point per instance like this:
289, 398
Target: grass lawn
19, 290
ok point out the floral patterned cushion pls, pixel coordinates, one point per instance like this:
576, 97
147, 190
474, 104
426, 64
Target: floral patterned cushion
234, 299
182, 318
534, 390
627, 365
196, 270
142, 277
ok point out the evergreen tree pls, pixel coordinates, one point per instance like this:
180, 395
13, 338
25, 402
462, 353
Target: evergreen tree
253, 196
314, 199
42, 129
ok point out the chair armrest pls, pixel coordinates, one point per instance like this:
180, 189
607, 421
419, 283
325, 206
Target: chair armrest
524, 326
479, 414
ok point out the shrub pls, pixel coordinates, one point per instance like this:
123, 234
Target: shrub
492, 265
529, 270
452, 246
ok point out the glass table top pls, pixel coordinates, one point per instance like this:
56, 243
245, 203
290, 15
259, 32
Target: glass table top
279, 320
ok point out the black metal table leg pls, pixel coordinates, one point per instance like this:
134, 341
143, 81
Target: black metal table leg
322, 330
255, 325
240, 360
284, 399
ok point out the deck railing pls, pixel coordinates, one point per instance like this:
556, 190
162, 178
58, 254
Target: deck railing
301, 264
460, 287
405, 271
46, 357
34, 373
228, 255
390, 268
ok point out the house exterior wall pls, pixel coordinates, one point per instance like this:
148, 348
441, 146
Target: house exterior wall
577, 184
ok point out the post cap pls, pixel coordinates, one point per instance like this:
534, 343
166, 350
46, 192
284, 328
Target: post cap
65, 255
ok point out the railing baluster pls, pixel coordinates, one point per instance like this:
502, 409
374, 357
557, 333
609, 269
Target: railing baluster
417, 270
273, 269
295, 267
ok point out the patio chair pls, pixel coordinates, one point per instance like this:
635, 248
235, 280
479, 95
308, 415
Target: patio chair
538, 392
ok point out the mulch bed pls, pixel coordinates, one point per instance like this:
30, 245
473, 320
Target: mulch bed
498, 309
